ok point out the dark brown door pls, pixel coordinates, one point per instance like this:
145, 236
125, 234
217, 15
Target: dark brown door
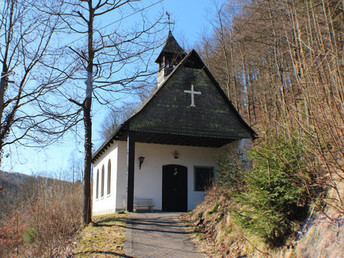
174, 188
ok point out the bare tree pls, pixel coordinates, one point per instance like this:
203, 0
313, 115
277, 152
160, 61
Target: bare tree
27, 33
317, 114
101, 63
115, 117
248, 54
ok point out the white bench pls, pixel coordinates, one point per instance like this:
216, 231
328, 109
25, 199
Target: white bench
141, 204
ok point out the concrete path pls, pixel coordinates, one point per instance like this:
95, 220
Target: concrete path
158, 235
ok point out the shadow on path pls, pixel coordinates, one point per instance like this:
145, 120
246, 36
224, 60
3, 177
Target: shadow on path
103, 253
158, 235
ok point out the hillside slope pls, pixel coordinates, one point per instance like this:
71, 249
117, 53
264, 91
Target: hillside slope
218, 234
13, 181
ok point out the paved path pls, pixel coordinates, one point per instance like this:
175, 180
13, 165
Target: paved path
158, 235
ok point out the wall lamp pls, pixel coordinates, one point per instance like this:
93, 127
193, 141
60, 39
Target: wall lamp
175, 154
141, 159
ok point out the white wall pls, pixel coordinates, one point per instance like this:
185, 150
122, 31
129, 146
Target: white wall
148, 179
107, 203
122, 176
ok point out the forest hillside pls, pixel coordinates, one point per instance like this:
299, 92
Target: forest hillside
38, 216
281, 64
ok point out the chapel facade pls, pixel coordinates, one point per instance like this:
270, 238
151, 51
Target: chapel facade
165, 155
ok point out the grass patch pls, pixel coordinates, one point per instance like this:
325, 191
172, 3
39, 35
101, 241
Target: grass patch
104, 238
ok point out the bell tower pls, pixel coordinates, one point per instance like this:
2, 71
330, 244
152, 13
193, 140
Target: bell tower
169, 57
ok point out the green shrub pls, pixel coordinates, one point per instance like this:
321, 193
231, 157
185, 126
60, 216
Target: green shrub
30, 236
276, 194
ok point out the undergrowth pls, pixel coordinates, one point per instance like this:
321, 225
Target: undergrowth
262, 213
216, 231
43, 222
104, 237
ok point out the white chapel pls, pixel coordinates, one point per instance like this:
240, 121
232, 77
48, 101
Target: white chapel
164, 156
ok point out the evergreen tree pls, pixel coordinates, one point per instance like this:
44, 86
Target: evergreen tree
276, 195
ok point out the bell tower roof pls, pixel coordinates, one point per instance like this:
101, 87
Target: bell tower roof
171, 48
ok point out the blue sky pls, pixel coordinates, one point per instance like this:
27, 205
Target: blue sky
191, 18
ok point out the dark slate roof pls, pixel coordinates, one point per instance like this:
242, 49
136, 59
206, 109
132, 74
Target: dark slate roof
171, 47
151, 125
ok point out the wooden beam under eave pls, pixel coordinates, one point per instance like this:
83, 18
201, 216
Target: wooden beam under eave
131, 168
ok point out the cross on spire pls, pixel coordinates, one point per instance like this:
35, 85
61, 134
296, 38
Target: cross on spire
193, 93
169, 21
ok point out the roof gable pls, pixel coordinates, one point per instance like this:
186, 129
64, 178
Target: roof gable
213, 121
170, 109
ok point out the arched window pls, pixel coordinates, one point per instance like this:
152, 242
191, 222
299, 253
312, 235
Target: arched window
97, 183
102, 185
109, 178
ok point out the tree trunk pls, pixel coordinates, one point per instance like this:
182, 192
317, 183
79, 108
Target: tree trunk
88, 161
4, 77
87, 107
3, 86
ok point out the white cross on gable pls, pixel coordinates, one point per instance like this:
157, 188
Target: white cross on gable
193, 93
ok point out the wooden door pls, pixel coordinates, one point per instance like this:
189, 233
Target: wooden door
174, 188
